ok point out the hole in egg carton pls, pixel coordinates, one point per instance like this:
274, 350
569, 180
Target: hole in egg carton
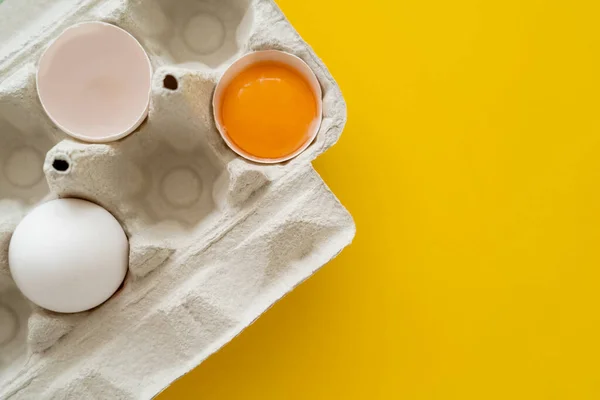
61, 165
170, 82
208, 32
14, 313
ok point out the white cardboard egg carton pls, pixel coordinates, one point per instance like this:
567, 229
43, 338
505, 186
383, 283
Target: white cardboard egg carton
215, 240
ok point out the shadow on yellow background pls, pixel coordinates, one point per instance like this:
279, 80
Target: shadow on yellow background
471, 163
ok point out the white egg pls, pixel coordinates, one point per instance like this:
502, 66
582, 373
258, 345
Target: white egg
69, 255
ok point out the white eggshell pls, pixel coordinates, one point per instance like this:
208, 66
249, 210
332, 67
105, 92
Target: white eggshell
69, 255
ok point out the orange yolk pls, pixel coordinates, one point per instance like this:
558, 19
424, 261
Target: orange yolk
269, 110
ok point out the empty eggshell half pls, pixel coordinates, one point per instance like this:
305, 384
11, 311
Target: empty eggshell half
94, 82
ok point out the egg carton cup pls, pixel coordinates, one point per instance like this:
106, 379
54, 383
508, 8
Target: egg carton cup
215, 240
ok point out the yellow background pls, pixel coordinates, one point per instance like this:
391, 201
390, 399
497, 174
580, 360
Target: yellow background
471, 163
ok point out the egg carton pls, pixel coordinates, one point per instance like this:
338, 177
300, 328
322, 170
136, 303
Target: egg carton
215, 240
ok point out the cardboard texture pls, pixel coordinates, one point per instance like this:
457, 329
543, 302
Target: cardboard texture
215, 240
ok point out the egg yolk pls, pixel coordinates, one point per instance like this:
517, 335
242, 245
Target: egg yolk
269, 110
